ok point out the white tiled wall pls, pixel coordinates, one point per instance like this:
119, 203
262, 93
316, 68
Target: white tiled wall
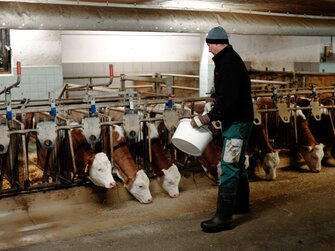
36, 82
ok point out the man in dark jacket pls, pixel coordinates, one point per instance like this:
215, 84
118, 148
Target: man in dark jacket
233, 108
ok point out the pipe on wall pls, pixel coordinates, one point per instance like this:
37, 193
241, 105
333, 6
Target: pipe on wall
15, 15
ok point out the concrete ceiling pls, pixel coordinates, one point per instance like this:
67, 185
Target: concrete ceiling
281, 17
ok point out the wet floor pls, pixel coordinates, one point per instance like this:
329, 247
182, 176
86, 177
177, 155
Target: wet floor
295, 212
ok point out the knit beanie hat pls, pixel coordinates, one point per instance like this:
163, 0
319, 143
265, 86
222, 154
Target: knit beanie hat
217, 35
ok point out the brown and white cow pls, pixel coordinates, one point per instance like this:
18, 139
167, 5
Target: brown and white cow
259, 146
135, 180
95, 166
210, 161
321, 126
310, 149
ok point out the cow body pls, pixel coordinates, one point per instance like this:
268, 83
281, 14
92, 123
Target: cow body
310, 149
259, 147
135, 180
210, 161
322, 128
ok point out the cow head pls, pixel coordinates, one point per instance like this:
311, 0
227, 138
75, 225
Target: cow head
171, 181
140, 188
313, 156
100, 172
270, 163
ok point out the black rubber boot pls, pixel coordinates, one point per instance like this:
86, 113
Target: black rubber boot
242, 205
223, 217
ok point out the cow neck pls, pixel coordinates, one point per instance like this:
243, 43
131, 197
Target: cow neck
305, 137
128, 179
84, 160
118, 146
160, 160
125, 163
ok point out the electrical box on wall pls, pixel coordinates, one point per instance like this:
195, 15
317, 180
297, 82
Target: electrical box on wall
328, 51
327, 54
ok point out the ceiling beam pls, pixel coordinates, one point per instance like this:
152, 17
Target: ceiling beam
15, 15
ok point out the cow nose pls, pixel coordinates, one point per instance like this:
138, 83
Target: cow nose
175, 195
113, 184
48, 143
149, 200
93, 138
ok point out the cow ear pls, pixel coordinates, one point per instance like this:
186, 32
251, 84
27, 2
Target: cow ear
308, 148
119, 174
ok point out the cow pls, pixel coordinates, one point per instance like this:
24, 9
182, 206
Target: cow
259, 147
95, 166
135, 180
210, 161
321, 128
162, 166
310, 149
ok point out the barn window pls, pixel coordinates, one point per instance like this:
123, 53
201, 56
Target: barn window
5, 52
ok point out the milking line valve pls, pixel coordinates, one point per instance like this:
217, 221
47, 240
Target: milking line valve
130, 107
93, 107
169, 104
274, 96
8, 96
8, 101
53, 109
314, 93
131, 123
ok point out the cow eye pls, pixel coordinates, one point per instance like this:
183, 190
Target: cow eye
99, 169
140, 186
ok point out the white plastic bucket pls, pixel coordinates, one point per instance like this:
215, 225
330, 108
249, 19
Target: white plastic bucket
191, 140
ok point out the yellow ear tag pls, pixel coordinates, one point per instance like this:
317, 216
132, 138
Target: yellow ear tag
86, 168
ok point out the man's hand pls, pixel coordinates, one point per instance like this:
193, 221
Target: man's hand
210, 99
200, 120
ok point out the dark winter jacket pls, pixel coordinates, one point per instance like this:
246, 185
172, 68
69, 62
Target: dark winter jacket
232, 89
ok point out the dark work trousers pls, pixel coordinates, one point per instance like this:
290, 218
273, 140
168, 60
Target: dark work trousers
235, 139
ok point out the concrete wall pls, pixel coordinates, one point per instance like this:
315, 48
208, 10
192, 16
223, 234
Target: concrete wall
277, 52
47, 56
88, 53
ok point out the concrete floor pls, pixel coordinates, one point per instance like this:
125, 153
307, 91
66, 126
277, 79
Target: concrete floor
295, 212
